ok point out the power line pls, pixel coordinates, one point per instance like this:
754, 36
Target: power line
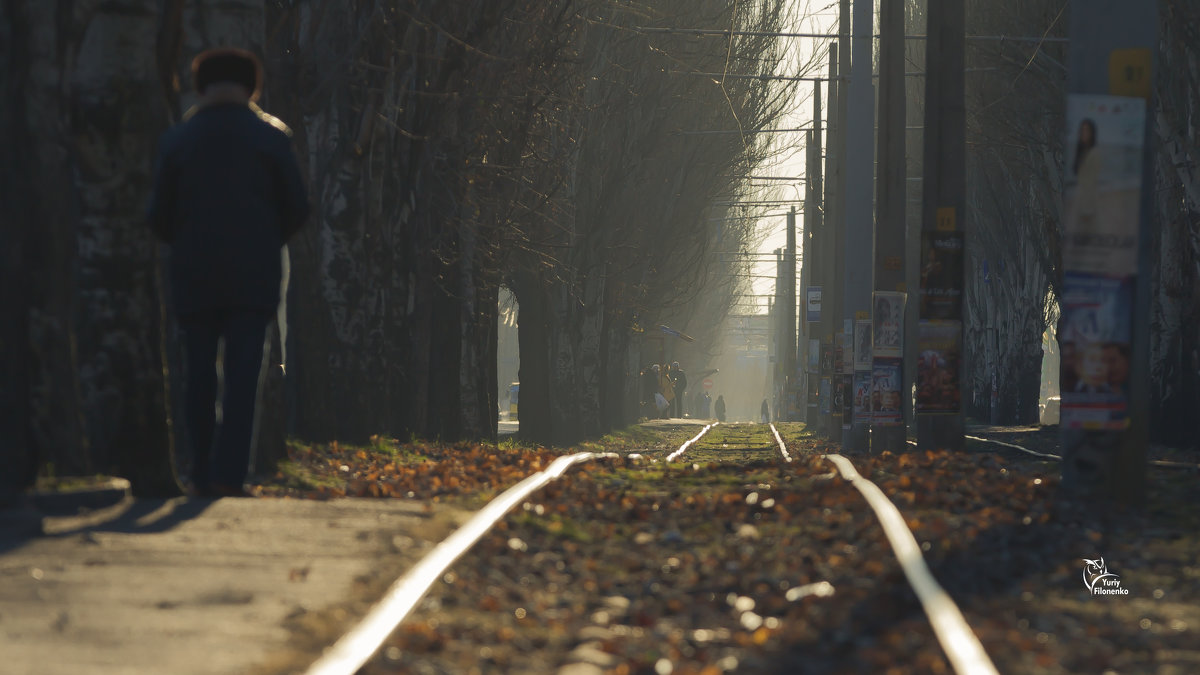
827, 36
737, 131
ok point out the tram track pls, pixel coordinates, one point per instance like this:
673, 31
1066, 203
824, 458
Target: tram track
544, 588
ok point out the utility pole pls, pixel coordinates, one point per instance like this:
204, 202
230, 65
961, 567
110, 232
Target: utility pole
939, 409
834, 288
806, 275
812, 195
859, 219
1107, 249
787, 353
888, 430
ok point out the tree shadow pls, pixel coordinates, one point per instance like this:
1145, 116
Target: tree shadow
130, 516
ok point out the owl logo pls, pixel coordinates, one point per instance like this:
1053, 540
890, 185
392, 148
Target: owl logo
1094, 571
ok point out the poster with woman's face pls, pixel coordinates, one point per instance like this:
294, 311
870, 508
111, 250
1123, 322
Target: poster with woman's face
1105, 141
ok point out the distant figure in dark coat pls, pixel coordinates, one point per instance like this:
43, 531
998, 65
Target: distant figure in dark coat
227, 194
719, 408
679, 385
765, 412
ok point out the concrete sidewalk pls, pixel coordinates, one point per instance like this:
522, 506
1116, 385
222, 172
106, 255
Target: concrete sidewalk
201, 586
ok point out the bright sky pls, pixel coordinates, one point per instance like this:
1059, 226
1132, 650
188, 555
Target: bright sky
807, 58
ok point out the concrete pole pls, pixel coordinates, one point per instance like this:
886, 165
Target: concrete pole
1112, 53
812, 271
890, 204
944, 185
787, 353
860, 156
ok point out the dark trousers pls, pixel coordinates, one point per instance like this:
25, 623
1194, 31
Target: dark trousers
226, 461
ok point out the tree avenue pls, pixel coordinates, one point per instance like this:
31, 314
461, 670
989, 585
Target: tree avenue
453, 148
450, 148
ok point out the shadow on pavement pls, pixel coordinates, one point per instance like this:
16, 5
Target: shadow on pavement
130, 516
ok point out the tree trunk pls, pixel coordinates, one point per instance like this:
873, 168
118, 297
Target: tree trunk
17, 447
533, 335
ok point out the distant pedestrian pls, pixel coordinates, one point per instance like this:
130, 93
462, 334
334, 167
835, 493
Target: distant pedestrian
649, 386
706, 406
765, 412
666, 387
679, 382
227, 194
719, 407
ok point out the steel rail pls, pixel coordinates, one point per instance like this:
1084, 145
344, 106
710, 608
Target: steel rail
683, 448
958, 641
358, 645
1162, 463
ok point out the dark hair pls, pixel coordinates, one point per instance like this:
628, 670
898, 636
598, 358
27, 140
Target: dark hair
227, 64
1082, 148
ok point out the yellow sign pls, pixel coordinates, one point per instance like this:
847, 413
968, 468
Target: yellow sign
1130, 72
946, 221
862, 316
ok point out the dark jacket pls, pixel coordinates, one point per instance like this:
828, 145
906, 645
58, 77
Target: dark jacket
227, 195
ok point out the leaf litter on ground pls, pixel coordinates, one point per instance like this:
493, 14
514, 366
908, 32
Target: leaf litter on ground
709, 564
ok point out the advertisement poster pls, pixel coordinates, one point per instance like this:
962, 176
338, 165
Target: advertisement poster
939, 360
862, 397
848, 354
812, 306
885, 393
826, 395
839, 397
1102, 189
1095, 351
814, 355
848, 408
941, 275
826, 359
888, 320
838, 354
862, 345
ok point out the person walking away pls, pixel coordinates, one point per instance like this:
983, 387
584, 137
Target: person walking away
765, 412
227, 195
719, 407
679, 382
666, 387
706, 404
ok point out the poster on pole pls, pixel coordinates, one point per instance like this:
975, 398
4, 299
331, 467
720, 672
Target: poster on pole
941, 275
862, 345
1103, 183
826, 395
862, 397
848, 410
939, 363
839, 397
885, 393
848, 354
814, 355
888, 333
812, 304
1095, 351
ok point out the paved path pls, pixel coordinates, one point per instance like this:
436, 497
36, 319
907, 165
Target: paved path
200, 586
